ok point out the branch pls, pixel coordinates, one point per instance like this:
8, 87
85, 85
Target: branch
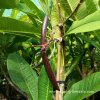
75, 10
59, 12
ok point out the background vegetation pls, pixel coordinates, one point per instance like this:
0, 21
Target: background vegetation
73, 34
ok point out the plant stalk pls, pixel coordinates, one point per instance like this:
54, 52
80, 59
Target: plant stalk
60, 59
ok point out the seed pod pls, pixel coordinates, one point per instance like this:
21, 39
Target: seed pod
44, 57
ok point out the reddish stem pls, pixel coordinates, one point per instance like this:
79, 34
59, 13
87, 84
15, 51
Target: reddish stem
49, 71
44, 27
44, 57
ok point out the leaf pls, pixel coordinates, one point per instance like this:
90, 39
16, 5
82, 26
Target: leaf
82, 11
1, 12
24, 8
70, 5
86, 8
45, 89
33, 8
66, 6
18, 27
33, 12
84, 88
97, 34
22, 75
89, 23
8, 3
14, 13
91, 6
75, 63
6, 40
46, 5
95, 43
31, 5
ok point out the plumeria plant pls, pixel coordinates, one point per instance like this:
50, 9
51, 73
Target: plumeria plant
50, 49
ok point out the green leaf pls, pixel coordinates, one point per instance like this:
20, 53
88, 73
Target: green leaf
86, 8
91, 6
95, 43
75, 63
22, 75
45, 89
82, 11
14, 13
33, 8
89, 23
18, 27
97, 34
1, 12
24, 8
31, 5
6, 40
84, 88
46, 5
66, 6
70, 5
8, 3
34, 13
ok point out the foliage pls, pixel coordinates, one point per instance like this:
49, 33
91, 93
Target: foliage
84, 88
76, 23
23, 75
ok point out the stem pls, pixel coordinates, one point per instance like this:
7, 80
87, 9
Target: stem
80, 72
60, 58
59, 12
58, 69
44, 27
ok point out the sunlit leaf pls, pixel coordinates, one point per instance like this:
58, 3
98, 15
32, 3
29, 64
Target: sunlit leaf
89, 23
84, 88
18, 27
33, 8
